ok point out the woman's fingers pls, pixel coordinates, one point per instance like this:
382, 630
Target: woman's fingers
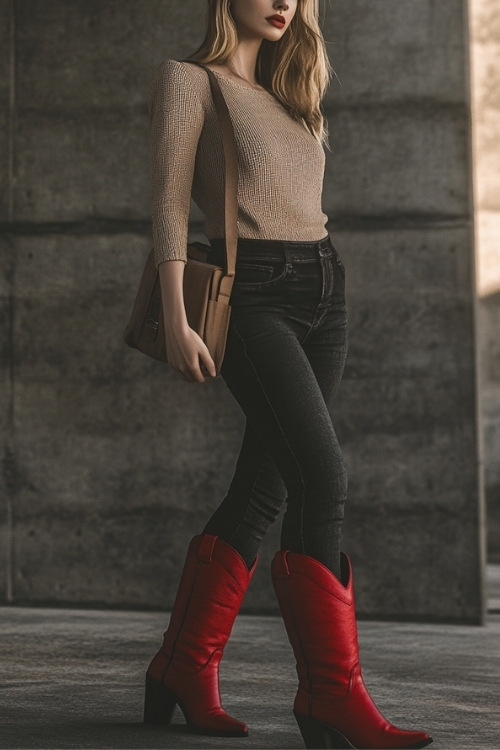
188, 355
207, 363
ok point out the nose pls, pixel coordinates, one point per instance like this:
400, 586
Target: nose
282, 5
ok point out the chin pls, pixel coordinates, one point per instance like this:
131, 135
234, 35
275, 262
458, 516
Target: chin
269, 33
273, 35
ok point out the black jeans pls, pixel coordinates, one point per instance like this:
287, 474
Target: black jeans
284, 360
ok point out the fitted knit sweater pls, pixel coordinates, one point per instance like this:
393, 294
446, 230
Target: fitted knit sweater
280, 163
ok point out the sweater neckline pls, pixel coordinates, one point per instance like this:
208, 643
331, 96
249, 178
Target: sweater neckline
240, 85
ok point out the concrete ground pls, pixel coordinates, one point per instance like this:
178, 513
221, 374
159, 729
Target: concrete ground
74, 679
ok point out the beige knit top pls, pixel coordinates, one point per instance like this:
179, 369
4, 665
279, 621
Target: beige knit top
281, 165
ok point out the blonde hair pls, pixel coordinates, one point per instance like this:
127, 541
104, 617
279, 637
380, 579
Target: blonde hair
296, 69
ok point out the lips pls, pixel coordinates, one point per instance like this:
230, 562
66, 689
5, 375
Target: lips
277, 21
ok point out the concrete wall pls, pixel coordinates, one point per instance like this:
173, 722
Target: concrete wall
111, 461
485, 48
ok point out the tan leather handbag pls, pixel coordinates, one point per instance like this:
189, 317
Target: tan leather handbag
207, 287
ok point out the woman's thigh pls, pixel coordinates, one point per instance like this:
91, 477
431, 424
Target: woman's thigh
267, 370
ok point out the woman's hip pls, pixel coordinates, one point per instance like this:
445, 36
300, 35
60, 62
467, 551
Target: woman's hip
297, 275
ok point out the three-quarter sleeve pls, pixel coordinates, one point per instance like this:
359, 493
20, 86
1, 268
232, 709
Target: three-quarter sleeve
176, 118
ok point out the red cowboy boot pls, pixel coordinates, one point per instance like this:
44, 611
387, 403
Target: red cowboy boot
333, 707
185, 671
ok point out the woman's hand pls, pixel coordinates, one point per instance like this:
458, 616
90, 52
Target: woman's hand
187, 354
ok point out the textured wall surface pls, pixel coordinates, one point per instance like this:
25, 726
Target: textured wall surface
111, 461
485, 47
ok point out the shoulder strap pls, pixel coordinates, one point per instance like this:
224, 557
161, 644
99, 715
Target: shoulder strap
231, 170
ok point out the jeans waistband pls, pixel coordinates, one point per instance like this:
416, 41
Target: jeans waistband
277, 249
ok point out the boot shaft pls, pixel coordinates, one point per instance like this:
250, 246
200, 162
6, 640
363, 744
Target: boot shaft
319, 615
213, 584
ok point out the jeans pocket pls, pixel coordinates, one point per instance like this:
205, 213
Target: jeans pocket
258, 274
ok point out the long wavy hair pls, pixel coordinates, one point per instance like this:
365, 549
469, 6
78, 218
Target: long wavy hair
296, 69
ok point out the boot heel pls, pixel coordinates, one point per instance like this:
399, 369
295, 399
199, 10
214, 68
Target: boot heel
318, 736
159, 703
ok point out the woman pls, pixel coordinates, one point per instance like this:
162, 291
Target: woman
284, 360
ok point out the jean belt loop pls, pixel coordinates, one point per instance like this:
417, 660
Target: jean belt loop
325, 247
286, 251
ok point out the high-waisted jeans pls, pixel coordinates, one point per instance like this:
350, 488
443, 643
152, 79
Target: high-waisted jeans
284, 360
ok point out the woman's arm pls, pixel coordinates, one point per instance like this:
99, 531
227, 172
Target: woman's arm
186, 351
177, 118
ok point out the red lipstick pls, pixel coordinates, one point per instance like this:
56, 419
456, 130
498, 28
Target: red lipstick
277, 21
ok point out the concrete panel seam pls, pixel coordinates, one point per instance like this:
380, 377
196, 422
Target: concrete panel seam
353, 222
360, 222
409, 108
12, 110
90, 227
9, 552
9, 460
478, 414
